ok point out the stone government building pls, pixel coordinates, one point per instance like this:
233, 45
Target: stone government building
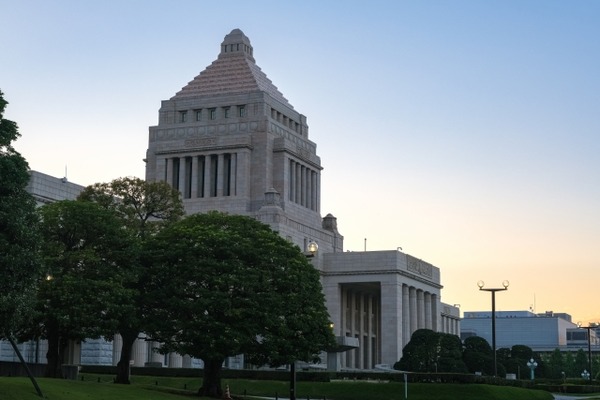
230, 141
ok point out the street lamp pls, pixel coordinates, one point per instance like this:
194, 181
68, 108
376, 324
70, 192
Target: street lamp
589, 340
532, 364
311, 251
493, 292
585, 375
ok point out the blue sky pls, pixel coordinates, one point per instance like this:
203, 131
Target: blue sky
466, 132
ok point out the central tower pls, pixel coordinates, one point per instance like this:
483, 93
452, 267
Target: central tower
230, 141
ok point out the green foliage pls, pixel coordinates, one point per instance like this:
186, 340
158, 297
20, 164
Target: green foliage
478, 344
86, 253
143, 208
223, 285
429, 351
521, 352
556, 365
581, 362
19, 240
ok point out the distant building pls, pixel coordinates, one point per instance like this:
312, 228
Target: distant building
47, 189
541, 332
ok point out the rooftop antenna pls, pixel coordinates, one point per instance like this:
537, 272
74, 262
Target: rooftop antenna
64, 179
365, 244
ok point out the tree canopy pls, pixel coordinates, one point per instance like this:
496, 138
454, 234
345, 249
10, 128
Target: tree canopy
223, 285
429, 351
143, 209
86, 253
19, 241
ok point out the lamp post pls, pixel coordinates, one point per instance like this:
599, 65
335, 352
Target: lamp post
311, 250
589, 340
532, 365
493, 292
585, 375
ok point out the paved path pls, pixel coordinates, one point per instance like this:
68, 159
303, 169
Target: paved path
567, 397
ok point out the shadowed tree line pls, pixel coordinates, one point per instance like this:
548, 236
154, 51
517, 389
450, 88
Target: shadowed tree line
429, 351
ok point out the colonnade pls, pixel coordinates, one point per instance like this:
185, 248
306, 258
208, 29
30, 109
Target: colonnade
144, 351
419, 311
450, 324
361, 318
304, 185
208, 175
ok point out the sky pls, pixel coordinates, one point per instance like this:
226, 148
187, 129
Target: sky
465, 132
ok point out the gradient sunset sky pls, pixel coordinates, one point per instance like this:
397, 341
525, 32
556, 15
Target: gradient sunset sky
465, 132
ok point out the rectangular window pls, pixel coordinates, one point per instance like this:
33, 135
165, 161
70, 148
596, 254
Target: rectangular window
213, 113
198, 115
226, 112
241, 111
182, 116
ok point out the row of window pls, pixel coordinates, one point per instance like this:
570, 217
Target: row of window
284, 120
213, 113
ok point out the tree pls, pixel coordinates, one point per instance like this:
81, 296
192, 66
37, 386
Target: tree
520, 355
144, 208
420, 353
450, 354
478, 356
86, 252
223, 285
19, 240
581, 362
556, 365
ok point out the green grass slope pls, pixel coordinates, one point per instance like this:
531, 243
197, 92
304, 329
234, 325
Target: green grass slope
152, 388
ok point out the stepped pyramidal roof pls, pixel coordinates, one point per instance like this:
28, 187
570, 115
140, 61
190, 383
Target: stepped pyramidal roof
234, 71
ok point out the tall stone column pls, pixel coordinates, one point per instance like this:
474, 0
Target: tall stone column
292, 177
208, 176
175, 360
420, 310
182, 176
391, 335
428, 321
412, 297
233, 175
155, 356
221, 174
298, 184
370, 333
194, 182
169, 171
405, 316
435, 311
139, 351
186, 361
117, 344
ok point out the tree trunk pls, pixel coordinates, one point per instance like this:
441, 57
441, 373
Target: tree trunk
123, 366
54, 356
211, 382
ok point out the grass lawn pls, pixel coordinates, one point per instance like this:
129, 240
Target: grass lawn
161, 388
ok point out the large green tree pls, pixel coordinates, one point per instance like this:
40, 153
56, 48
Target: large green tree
429, 351
479, 357
86, 253
223, 285
144, 208
19, 242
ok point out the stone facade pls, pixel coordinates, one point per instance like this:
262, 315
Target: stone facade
230, 141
